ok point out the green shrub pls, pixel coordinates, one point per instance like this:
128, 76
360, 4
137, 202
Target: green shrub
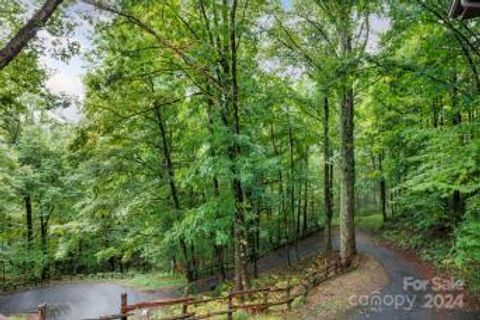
466, 251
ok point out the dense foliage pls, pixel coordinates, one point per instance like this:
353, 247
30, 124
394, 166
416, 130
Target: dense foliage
213, 131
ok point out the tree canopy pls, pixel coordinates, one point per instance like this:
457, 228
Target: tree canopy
214, 131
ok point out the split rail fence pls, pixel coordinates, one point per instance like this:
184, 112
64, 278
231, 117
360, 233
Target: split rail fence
260, 300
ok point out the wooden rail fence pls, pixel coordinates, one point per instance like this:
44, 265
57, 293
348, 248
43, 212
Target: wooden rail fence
251, 301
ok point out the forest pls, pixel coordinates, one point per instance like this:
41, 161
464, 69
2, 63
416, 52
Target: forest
213, 131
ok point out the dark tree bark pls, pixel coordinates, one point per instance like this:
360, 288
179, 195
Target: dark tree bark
190, 268
383, 189
27, 32
299, 210
44, 219
255, 236
374, 193
328, 175
220, 254
392, 203
434, 113
305, 198
29, 220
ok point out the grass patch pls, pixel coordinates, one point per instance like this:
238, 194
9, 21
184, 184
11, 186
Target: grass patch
245, 316
155, 280
372, 222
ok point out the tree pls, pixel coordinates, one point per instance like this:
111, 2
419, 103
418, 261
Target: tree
27, 32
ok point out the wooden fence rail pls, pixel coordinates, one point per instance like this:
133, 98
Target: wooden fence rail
251, 301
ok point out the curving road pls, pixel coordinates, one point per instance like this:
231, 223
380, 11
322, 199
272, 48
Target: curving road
75, 301
399, 269
84, 300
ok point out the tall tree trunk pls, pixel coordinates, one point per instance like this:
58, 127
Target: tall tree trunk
299, 210
305, 197
194, 262
255, 236
218, 249
458, 207
347, 180
44, 218
220, 256
283, 210
392, 203
292, 183
347, 154
374, 196
29, 220
383, 189
240, 236
190, 272
328, 174
434, 113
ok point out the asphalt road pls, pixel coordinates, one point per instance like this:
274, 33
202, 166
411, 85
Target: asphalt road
413, 303
74, 301
84, 300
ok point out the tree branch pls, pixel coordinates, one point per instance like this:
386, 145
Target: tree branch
27, 32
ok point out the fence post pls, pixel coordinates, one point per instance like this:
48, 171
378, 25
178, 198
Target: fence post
230, 305
185, 308
42, 312
265, 299
289, 302
123, 306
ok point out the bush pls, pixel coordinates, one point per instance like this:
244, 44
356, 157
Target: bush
466, 252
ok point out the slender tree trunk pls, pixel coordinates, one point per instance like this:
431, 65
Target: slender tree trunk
328, 174
29, 220
383, 189
44, 218
220, 254
374, 197
458, 207
218, 249
190, 272
283, 211
392, 203
194, 262
292, 184
312, 210
254, 243
256, 237
299, 210
434, 113
305, 198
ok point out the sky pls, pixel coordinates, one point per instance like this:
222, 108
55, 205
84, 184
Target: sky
67, 77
